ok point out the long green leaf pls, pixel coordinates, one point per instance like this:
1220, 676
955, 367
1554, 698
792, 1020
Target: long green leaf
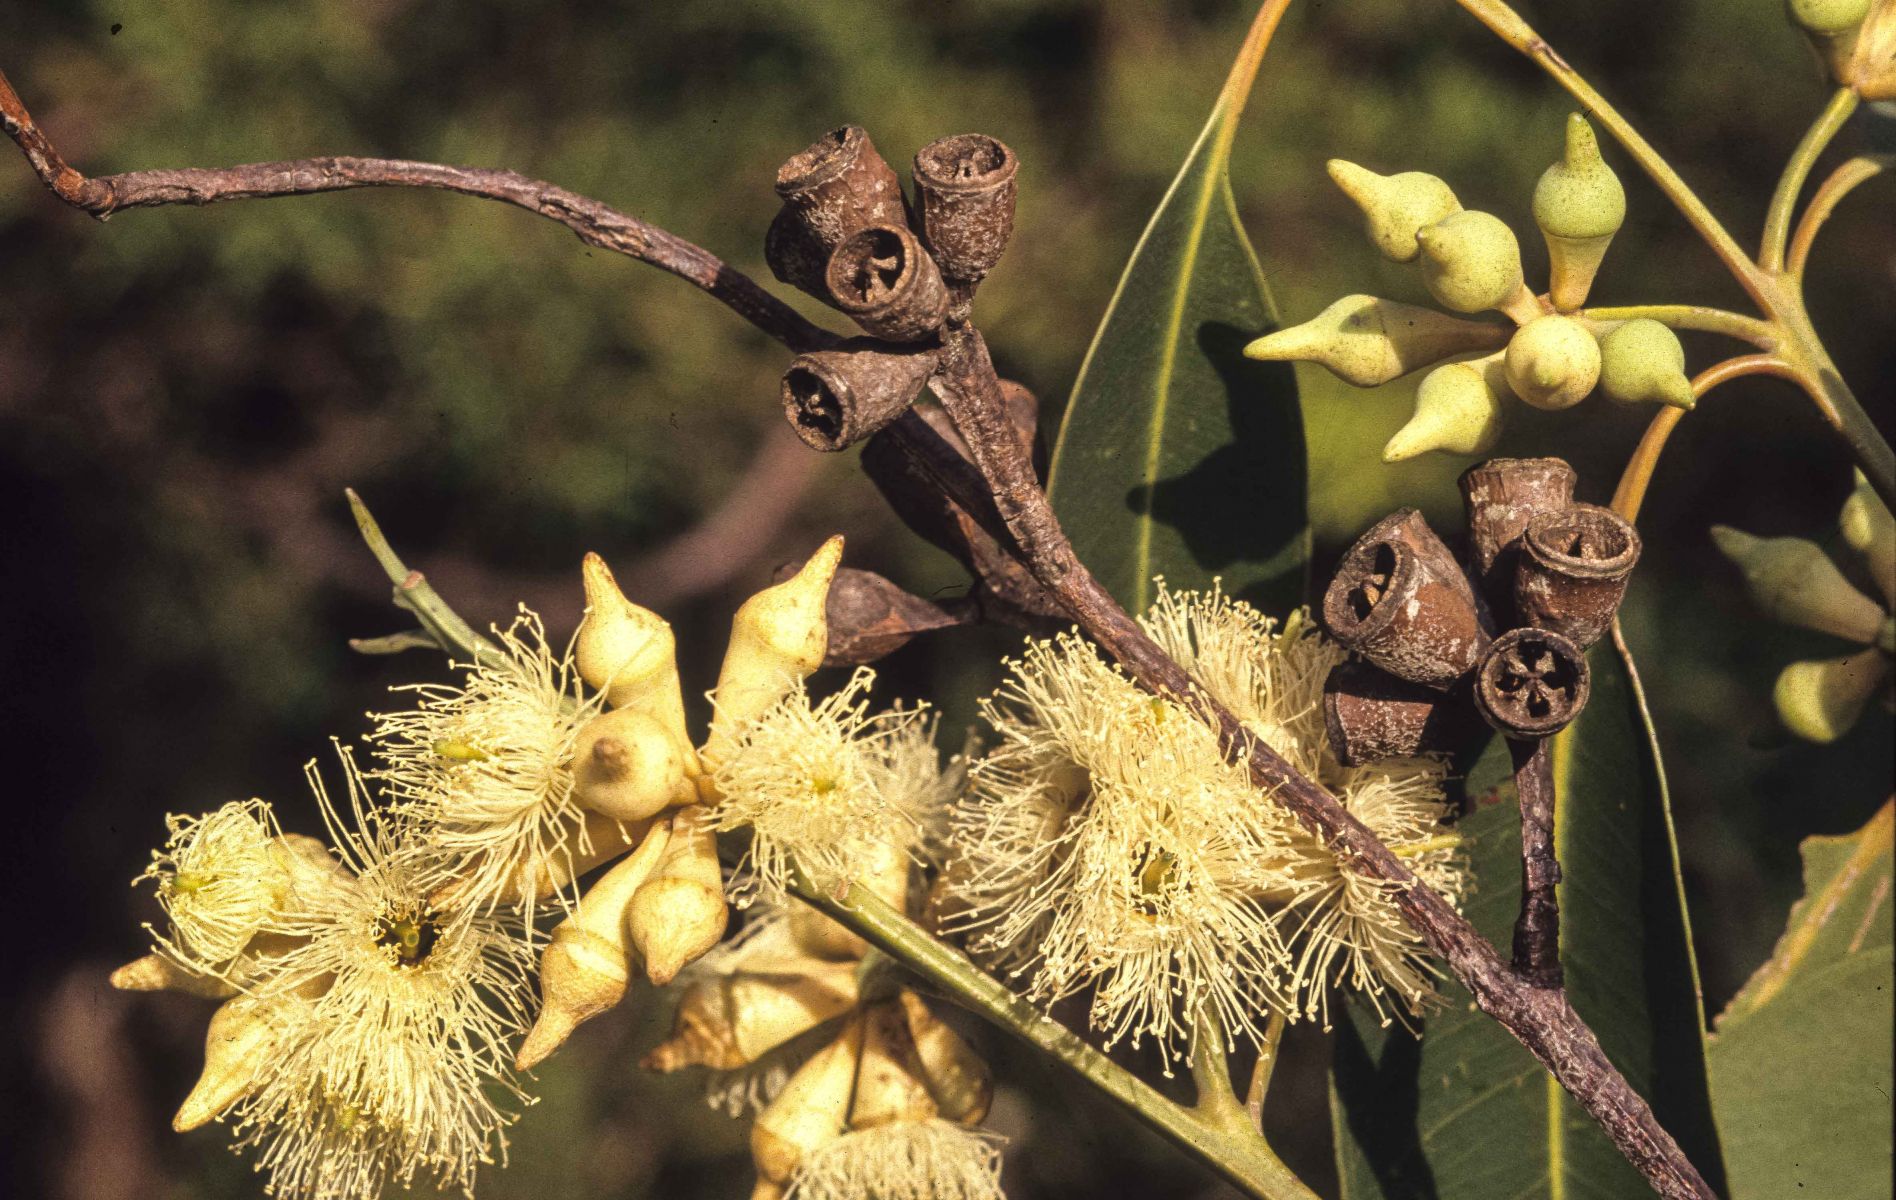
1464, 1113
1801, 1058
1178, 456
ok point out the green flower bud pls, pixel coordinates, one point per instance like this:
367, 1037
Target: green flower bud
1368, 342
1820, 701
1795, 582
1457, 409
1394, 206
1579, 205
1871, 532
1552, 362
1471, 262
1641, 361
1827, 18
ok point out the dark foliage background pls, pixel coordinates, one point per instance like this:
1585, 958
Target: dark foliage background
184, 394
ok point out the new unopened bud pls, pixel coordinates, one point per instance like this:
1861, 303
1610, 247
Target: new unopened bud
812, 1110
1642, 362
1579, 205
237, 1050
1794, 581
1820, 701
1828, 17
1394, 206
726, 1022
1471, 262
1552, 363
1368, 342
628, 652
958, 1079
1870, 69
158, 973
1869, 530
628, 767
678, 914
888, 1081
777, 638
1457, 410
587, 963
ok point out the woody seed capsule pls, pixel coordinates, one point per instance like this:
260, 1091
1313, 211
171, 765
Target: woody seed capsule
883, 279
1400, 600
832, 188
835, 398
1531, 683
965, 188
1572, 571
1501, 496
1370, 715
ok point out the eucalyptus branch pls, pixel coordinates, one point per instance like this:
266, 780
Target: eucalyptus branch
1830, 193
1001, 489
1697, 317
1777, 221
1631, 492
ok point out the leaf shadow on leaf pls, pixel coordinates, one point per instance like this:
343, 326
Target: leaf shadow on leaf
1221, 506
1387, 1126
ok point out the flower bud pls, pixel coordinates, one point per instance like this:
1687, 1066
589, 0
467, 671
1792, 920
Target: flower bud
628, 652
1400, 599
1531, 683
958, 1079
628, 767
726, 1022
587, 964
1820, 701
157, 973
238, 1047
1573, 571
1368, 342
965, 191
1642, 361
1457, 410
1552, 363
888, 1080
1870, 69
812, 1110
1794, 581
883, 279
1869, 530
1394, 206
777, 638
1579, 205
1472, 262
1828, 17
678, 914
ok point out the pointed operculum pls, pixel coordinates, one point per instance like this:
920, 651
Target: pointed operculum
1368, 342
1579, 205
1471, 262
156, 973
889, 1087
959, 1079
778, 638
1796, 583
1641, 361
1394, 206
812, 1110
628, 652
587, 963
628, 766
678, 914
1457, 410
1868, 528
730, 1021
237, 1051
1820, 701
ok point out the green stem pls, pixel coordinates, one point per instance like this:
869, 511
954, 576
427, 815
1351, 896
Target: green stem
1777, 221
1238, 1154
414, 593
1762, 334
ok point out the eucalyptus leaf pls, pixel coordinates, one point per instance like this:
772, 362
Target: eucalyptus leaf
1801, 1058
1464, 1113
1177, 455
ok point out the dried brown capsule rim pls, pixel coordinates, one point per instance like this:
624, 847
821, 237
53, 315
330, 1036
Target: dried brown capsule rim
822, 160
871, 267
1584, 541
1353, 608
1517, 693
942, 164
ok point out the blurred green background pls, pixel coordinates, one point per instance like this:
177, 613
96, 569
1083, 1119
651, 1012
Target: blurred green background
184, 394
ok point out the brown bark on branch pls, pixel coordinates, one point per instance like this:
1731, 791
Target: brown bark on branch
1000, 491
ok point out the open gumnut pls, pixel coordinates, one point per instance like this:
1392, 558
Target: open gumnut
1532, 683
830, 189
965, 190
1370, 715
835, 398
1501, 496
887, 283
1400, 600
1572, 571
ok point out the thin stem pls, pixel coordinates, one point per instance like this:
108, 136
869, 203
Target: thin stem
1759, 333
1238, 1154
1830, 193
1510, 28
1537, 929
1264, 1068
414, 593
1214, 1100
1777, 220
1631, 492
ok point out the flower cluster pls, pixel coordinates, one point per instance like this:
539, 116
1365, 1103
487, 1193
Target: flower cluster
1470, 261
1108, 843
